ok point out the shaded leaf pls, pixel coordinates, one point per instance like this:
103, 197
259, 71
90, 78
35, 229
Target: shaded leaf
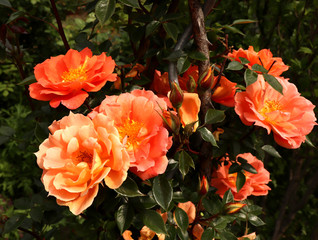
254, 220
183, 64
240, 181
175, 55
124, 217
185, 162
233, 29
181, 219
208, 234
248, 167
5, 3
151, 27
172, 30
273, 82
214, 116
227, 236
36, 214
162, 191
234, 65
228, 197
271, 150
154, 221
13, 223
28, 80
309, 142
104, 10
259, 68
250, 77
130, 3
235, 167
196, 55
244, 60
129, 189
207, 136
243, 21
305, 50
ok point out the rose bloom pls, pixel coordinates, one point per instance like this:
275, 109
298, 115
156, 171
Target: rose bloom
189, 109
66, 79
160, 83
264, 58
255, 184
140, 126
289, 116
77, 156
224, 92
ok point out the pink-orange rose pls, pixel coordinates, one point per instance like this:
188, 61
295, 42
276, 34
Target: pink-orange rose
136, 116
274, 65
66, 79
189, 109
255, 184
77, 156
288, 115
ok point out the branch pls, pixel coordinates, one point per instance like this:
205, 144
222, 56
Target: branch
59, 24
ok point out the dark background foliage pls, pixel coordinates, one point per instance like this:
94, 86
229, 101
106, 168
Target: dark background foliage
288, 28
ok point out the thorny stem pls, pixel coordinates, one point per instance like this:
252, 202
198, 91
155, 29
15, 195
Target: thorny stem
59, 24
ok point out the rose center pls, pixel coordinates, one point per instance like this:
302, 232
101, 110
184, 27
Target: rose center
84, 156
130, 130
270, 106
77, 74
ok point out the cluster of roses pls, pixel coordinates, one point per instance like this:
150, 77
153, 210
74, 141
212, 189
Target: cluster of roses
128, 132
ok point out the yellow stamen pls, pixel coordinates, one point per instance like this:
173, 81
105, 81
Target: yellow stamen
270, 106
78, 74
83, 156
131, 130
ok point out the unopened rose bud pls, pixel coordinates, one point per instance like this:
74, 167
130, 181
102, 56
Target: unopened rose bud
206, 79
191, 84
204, 186
176, 95
171, 121
233, 207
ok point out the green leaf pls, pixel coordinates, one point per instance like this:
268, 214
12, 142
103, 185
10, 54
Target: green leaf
305, 50
214, 116
27, 81
6, 133
182, 219
207, 136
197, 56
309, 142
208, 234
249, 168
240, 181
254, 220
212, 205
185, 162
13, 223
124, 217
104, 10
234, 65
233, 29
228, 197
273, 82
243, 21
151, 27
183, 64
14, 16
172, 30
235, 168
130, 3
244, 60
227, 236
259, 68
5, 3
154, 221
162, 191
271, 150
175, 55
129, 189
250, 77
36, 214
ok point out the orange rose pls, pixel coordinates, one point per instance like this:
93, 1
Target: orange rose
264, 58
67, 78
255, 184
189, 109
250, 236
224, 93
77, 156
289, 116
141, 130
